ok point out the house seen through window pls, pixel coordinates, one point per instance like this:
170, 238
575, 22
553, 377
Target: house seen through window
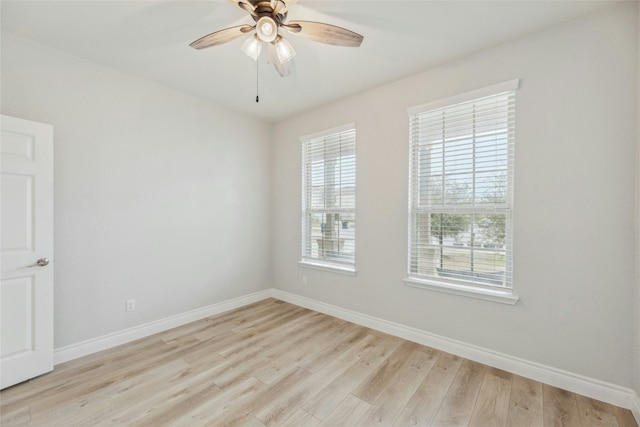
329, 198
461, 192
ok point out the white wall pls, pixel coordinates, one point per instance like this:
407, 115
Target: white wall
159, 196
575, 191
167, 199
637, 308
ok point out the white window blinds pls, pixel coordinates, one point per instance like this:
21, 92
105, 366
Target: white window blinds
329, 198
461, 191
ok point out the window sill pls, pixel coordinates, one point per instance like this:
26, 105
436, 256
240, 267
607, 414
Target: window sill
495, 295
326, 266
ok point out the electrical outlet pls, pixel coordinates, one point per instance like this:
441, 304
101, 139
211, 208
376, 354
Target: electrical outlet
131, 305
304, 280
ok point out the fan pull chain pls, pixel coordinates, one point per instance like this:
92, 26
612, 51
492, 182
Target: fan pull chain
257, 74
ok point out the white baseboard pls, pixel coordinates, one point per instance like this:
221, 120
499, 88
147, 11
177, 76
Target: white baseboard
74, 351
635, 407
596, 389
589, 387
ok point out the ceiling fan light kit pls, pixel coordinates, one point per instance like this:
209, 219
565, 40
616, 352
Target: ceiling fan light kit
267, 29
270, 16
252, 47
284, 50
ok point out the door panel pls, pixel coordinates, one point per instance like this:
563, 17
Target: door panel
26, 235
17, 213
16, 305
19, 145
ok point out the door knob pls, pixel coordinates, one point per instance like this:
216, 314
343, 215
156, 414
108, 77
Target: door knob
40, 263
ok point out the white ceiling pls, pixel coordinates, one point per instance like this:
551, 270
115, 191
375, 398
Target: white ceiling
151, 39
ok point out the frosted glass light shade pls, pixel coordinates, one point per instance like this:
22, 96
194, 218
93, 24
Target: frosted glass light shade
284, 50
267, 29
252, 47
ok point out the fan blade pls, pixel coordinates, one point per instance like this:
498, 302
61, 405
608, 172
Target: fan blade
283, 69
246, 6
325, 33
278, 6
222, 36
290, 3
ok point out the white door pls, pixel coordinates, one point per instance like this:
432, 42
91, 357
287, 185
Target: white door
26, 252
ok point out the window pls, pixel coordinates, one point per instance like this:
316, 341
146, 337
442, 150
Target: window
329, 199
461, 192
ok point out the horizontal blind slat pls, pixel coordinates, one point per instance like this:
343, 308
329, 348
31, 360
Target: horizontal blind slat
328, 206
461, 183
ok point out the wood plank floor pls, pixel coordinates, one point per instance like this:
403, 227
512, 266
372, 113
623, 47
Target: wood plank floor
275, 364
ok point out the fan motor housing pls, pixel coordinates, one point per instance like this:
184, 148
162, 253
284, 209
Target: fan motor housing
263, 8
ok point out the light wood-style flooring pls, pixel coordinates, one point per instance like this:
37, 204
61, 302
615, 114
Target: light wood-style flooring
275, 364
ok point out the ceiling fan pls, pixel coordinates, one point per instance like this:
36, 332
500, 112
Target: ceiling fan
270, 16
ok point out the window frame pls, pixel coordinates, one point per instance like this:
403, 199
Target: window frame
501, 294
326, 263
